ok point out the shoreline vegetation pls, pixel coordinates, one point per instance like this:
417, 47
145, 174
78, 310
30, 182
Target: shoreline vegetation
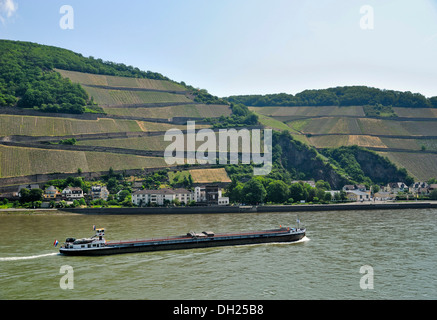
379, 205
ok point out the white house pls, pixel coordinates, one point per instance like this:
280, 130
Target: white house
199, 194
357, 195
72, 193
223, 201
396, 187
159, 197
384, 196
211, 195
183, 195
419, 188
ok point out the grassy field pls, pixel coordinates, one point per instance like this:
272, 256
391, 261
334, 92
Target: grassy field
178, 176
105, 97
346, 140
190, 110
139, 143
297, 112
420, 166
123, 82
209, 175
368, 126
328, 141
365, 141
46, 126
323, 125
411, 144
416, 112
147, 126
152, 143
25, 161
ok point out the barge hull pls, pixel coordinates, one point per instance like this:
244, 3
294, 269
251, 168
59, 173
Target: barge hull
191, 244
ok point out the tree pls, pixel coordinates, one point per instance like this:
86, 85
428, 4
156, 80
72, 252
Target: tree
433, 195
123, 195
277, 191
297, 192
253, 192
323, 185
31, 196
321, 194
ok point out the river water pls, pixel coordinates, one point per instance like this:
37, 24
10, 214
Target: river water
395, 250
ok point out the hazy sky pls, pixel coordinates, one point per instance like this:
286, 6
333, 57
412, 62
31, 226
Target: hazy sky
234, 47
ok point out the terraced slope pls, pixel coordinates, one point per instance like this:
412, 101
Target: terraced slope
88, 79
409, 140
130, 135
143, 98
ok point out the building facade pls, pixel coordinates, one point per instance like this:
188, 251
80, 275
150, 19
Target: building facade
72, 193
161, 197
167, 196
51, 193
99, 192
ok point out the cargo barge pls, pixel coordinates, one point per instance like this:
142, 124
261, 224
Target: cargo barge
97, 245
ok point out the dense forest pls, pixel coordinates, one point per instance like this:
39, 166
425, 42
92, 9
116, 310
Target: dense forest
339, 96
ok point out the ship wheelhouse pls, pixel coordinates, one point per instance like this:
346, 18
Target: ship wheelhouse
96, 241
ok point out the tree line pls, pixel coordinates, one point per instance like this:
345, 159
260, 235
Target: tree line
260, 190
339, 96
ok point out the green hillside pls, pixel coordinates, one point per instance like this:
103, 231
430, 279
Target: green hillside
408, 137
110, 109
29, 78
117, 115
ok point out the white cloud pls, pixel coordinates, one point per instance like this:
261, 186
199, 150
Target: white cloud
7, 8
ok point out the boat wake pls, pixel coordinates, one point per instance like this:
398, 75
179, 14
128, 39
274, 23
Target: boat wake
29, 257
304, 239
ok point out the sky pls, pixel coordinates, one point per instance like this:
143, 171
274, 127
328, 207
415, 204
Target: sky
232, 47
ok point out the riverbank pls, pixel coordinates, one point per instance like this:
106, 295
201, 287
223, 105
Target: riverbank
229, 209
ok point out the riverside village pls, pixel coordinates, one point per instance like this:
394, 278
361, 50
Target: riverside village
201, 187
